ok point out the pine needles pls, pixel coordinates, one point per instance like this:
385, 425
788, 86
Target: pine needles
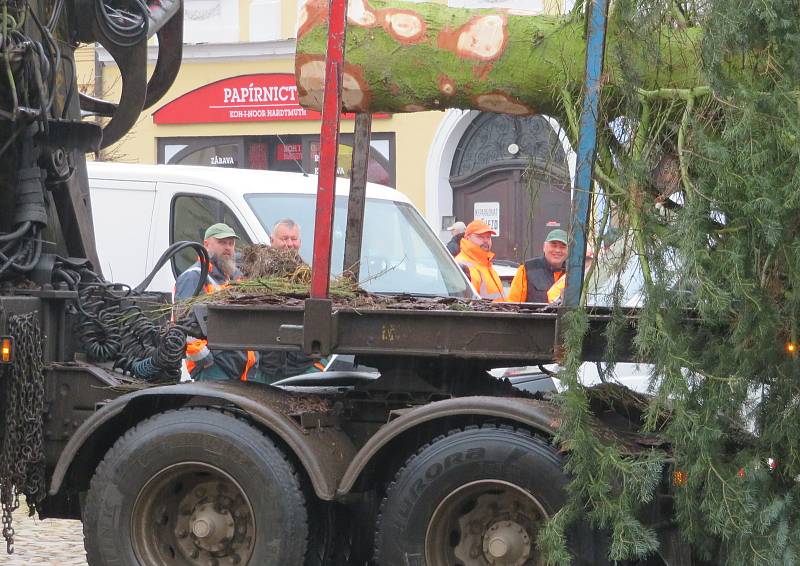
718, 235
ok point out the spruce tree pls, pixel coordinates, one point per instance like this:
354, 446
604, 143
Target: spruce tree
705, 182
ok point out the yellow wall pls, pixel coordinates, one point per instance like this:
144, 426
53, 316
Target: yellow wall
413, 132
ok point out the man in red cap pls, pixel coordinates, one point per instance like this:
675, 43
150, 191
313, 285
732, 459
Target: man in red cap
476, 257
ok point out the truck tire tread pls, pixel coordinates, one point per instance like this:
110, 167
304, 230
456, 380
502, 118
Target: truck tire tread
102, 552
590, 551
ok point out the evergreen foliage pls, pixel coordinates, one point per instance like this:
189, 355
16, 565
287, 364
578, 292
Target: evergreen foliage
706, 183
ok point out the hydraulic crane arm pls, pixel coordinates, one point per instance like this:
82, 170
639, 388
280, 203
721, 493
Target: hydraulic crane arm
45, 210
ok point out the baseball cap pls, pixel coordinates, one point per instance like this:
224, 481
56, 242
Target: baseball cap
557, 235
458, 226
479, 227
220, 231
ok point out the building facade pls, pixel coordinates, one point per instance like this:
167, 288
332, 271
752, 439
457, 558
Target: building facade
234, 105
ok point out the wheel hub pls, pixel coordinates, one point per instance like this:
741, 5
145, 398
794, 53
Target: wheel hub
194, 518
506, 543
211, 528
212, 524
485, 522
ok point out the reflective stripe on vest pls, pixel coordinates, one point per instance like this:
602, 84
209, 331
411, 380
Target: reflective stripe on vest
483, 290
251, 361
554, 292
200, 349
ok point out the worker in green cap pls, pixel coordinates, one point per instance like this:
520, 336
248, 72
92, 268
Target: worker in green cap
537, 279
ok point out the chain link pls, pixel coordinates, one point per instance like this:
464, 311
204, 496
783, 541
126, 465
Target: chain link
22, 409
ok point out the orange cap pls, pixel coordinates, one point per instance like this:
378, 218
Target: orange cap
479, 227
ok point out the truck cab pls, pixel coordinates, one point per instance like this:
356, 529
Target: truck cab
140, 210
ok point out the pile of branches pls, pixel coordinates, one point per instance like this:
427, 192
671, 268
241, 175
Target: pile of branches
268, 270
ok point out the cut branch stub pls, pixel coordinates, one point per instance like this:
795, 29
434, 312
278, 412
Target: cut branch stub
501, 103
311, 14
361, 14
310, 77
446, 86
406, 26
483, 38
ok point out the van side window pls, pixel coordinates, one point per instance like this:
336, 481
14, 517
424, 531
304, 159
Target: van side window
191, 215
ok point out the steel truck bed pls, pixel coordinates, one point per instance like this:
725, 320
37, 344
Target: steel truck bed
510, 338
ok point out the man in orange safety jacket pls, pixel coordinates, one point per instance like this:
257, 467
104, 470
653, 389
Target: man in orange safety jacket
203, 363
476, 258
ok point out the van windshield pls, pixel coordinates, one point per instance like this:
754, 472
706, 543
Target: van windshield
399, 253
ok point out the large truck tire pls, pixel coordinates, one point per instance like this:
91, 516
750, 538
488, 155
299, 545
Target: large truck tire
195, 487
477, 497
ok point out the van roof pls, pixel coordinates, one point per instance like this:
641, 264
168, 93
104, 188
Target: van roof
243, 181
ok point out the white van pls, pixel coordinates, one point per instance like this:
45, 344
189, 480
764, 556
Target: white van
139, 210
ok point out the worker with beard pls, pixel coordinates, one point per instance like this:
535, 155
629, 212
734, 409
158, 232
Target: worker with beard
203, 363
476, 259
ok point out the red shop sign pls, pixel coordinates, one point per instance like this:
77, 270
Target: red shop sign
289, 151
246, 98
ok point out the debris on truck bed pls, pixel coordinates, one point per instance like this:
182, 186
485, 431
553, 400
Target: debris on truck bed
273, 291
280, 277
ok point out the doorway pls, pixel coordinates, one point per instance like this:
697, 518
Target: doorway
512, 172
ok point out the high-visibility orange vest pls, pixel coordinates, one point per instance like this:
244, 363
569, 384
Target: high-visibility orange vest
481, 273
197, 348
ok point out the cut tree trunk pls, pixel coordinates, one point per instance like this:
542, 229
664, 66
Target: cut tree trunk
409, 57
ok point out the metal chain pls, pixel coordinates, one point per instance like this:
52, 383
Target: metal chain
22, 405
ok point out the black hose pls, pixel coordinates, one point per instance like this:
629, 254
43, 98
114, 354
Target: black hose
121, 27
16, 234
171, 251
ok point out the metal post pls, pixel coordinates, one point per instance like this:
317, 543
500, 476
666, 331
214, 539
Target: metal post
357, 200
329, 150
587, 142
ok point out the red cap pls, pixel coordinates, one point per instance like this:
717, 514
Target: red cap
479, 227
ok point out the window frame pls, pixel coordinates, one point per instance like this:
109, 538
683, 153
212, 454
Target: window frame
240, 229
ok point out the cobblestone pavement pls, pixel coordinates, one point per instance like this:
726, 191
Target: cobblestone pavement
44, 542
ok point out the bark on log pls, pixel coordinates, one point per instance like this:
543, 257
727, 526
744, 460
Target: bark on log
409, 57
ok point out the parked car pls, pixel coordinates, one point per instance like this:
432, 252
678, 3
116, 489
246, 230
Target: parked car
139, 210
506, 269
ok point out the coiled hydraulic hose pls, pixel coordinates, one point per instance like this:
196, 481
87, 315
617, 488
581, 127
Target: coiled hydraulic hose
113, 328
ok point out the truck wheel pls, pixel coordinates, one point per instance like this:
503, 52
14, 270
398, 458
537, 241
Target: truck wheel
475, 498
194, 486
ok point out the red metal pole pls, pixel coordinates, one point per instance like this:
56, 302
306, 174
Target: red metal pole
329, 150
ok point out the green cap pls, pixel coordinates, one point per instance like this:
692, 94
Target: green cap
557, 235
220, 231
